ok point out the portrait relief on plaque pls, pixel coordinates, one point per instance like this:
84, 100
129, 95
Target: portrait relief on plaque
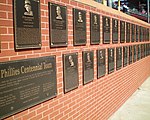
27, 24
114, 30
94, 28
122, 31
79, 27
58, 25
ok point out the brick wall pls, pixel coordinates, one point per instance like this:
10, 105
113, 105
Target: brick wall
94, 101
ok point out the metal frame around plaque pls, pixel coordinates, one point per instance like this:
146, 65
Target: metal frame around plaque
88, 66
114, 30
106, 29
27, 24
58, 25
94, 28
26, 83
125, 56
111, 60
101, 62
122, 31
79, 27
118, 58
70, 71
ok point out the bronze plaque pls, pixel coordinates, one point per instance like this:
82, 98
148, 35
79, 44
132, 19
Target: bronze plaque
135, 50
79, 26
118, 58
101, 64
125, 56
130, 54
122, 31
137, 33
58, 25
110, 60
106, 29
27, 24
114, 30
139, 52
88, 66
133, 33
95, 28
127, 32
70, 70
141, 33
142, 50
25, 83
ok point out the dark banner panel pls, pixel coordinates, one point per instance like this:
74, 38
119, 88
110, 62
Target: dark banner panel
25, 83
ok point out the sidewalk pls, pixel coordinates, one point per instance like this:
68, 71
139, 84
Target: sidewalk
137, 107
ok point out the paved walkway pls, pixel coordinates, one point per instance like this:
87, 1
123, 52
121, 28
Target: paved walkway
137, 107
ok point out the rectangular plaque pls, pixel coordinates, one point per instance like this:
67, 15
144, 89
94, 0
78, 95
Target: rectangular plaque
122, 31
79, 26
106, 29
127, 32
95, 28
139, 52
125, 56
58, 25
118, 58
101, 64
27, 24
25, 83
134, 51
114, 30
130, 54
141, 33
88, 66
142, 50
110, 60
133, 33
137, 33
70, 70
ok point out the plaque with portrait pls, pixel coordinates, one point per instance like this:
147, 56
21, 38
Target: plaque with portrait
79, 26
127, 32
135, 53
114, 30
137, 33
27, 24
133, 33
122, 31
141, 33
95, 28
58, 25
101, 64
88, 66
106, 29
70, 71
26, 83
125, 56
111, 60
118, 58
138, 52
130, 54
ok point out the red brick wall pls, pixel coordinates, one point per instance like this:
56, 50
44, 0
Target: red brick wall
94, 101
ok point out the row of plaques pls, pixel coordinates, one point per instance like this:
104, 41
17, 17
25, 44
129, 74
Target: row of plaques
28, 27
25, 83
